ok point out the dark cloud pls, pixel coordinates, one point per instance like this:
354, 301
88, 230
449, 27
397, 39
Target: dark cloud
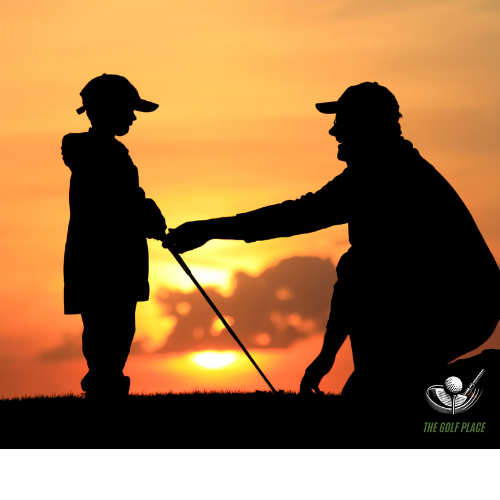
285, 303
70, 348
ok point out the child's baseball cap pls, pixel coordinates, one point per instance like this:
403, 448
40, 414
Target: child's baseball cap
115, 89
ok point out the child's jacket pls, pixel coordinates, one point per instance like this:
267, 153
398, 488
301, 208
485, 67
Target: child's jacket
110, 217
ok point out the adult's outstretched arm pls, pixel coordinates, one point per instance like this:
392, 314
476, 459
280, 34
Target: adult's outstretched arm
314, 211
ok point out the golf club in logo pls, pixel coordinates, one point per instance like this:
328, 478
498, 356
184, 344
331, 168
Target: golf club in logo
448, 398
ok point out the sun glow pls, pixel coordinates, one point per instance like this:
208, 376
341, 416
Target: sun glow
213, 360
153, 327
171, 276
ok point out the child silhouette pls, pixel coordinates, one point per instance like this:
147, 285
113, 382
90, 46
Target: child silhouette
106, 256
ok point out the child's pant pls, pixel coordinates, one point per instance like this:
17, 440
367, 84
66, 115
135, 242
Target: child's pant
108, 331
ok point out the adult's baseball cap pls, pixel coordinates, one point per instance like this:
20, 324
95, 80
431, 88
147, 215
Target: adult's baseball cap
114, 89
367, 97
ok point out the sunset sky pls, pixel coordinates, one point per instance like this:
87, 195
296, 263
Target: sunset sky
236, 129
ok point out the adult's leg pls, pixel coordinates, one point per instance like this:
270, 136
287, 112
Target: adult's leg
467, 334
397, 361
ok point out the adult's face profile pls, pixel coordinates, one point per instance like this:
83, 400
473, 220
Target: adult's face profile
351, 132
358, 132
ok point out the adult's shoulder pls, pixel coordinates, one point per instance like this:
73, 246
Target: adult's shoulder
439, 194
406, 150
414, 164
345, 177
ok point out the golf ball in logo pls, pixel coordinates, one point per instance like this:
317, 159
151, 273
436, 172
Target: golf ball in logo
453, 385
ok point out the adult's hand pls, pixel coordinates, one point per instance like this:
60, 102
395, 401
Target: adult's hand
187, 236
314, 373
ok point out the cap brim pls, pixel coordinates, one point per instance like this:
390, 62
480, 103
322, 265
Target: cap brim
145, 106
328, 107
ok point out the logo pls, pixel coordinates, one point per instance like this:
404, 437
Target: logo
449, 398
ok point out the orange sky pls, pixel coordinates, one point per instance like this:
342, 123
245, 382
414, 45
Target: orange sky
236, 129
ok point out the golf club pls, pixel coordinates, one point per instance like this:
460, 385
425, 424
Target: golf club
186, 269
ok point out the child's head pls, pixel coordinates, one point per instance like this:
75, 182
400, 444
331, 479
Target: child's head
115, 120
110, 101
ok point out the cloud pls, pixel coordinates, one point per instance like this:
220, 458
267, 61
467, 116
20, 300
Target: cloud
283, 304
70, 348
367, 8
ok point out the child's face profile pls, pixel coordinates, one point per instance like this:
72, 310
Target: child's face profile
114, 120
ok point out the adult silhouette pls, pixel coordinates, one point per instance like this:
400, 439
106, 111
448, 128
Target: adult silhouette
418, 287
106, 256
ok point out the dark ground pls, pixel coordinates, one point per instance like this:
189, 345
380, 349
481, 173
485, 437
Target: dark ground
204, 441
175, 419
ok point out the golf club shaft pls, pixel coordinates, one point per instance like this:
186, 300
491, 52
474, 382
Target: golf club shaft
472, 385
186, 269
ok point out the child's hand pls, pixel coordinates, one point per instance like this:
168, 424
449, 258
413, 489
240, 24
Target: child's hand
153, 222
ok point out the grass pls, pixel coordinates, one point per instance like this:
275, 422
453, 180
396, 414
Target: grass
197, 419
168, 401
162, 398
219, 411
183, 433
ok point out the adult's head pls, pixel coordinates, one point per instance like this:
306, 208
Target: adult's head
110, 102
366, 115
